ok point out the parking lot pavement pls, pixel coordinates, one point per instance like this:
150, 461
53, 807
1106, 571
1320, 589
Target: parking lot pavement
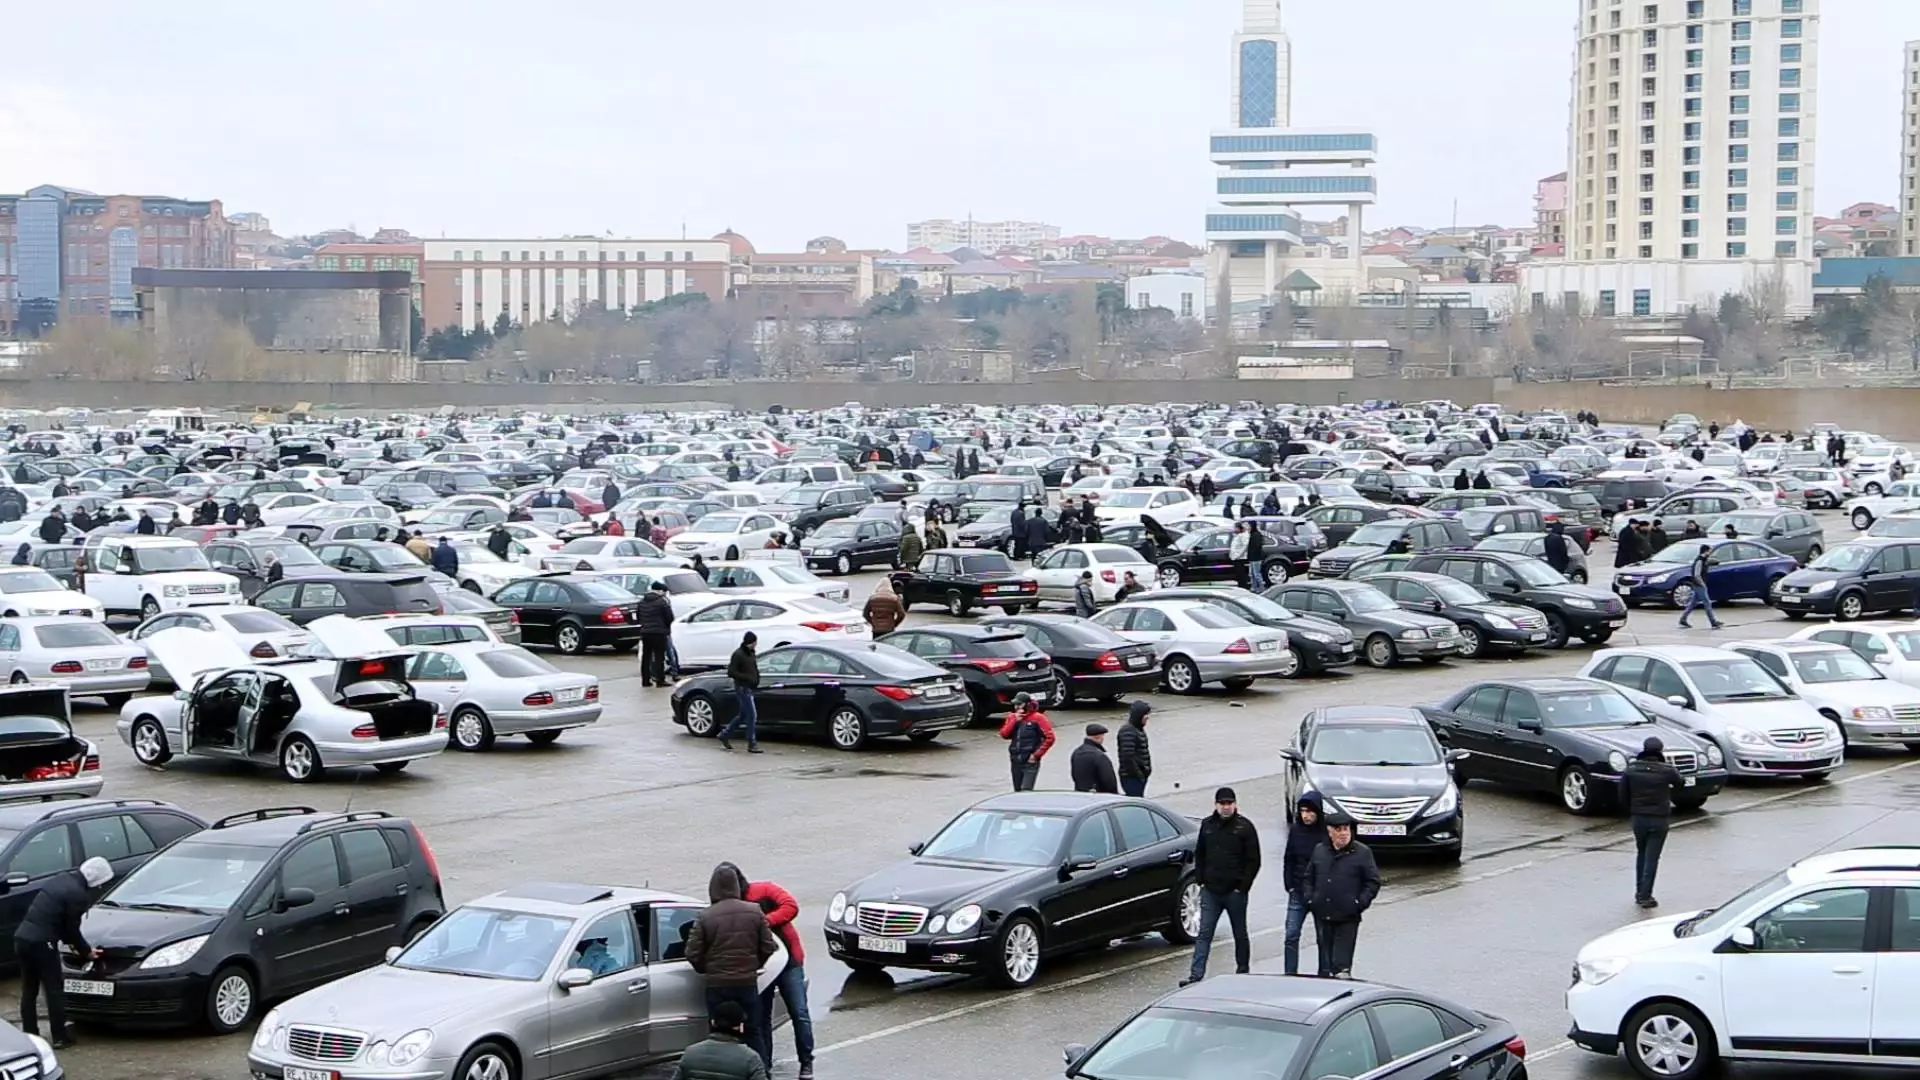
634, 800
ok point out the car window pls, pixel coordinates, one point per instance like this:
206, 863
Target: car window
107, 838
1890, 560
321, 594
1521, 705
1148, 619
436, 667
1408, 1028
367, 853
716, 613
1093, 839
1482, 704
311, 866
607, 945
1663, 681
754, 609
820, 662
515, 593
276, 598
1906, 920
1347, 1050
1772, 662
547, 592
1627, 671
1164, 828
48, 851
158, 829
1828, 921
1137, 828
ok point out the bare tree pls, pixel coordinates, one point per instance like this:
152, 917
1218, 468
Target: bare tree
1896, 324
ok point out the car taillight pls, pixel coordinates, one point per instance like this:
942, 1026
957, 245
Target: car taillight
92, 764
823, 627
1108, 662
372, 668
137, 662
613, 615
989, 588
897, 693
583, 565
1107, 576
68, 667
366, 731
541, 698
1517, 1046
1240, 646
994, 667
263, 650
426, 854
593, 692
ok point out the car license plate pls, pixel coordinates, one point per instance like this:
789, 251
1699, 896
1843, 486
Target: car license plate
1623, 589
296, 1072
1383, 830
939, 691
101, 665
1269, 646
1536, 637
882, 944
1135, 663
1910, 731
1686, 781
90, 986
574, 694
1617, 620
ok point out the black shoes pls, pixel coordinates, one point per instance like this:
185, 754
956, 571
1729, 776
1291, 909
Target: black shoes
1188, 981
64, 1042
724, 743
755, 750
1649, 902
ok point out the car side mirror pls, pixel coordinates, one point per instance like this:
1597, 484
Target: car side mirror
1679, 701
1454, 756
916, 849
574, 978
1292, 755
1074, 1052
1532, 726
180, 695
1743, 937
1077, 866
1513, 584
15, 880
393, 953
1879, 658
293, 898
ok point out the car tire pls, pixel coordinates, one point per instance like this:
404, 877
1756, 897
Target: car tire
1862, 518
1681, 593
846, 728
149, 742
957, 605
470, 730
700, 715
472, 586
1557, 634
733, 553
1062, 695
1813, 553
1575, 790
487, 1061
18, 678
149, 607
233, 999
843, 565
1168, 576
300, 760
1473, 644
1238, 686
1184, 926
116, 702
1293, 667
569, 639
391, 768
1181, 675
1666, 1040
1016, 952
1873, 488
1850, 606
1276, 573
922, 737
1597, 637
544, 737
1379, 651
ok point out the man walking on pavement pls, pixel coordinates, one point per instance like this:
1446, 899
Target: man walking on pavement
1304, 836
729, 943
1342, 882
1136, 755
1226, 859
1092, 768
1698, 598
1029, 736
1554, 548
1649, 784
744, 669
656, 630
54, 917
781, 910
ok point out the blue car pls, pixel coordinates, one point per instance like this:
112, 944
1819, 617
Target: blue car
1736, 570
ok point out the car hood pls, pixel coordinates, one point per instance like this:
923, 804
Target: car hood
1600, 598
1634, 939
1630, 739
1378, 781
1862, 692
938, 884
1352, 552
982, 528
1404, 620
188, 653
55, 599
137, 932
1315, 624
367, 1000
1815, 577
1761, 715
1505, 611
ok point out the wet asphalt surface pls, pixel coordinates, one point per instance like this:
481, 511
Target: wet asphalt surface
635, 800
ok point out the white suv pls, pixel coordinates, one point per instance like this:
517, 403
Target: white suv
1819, 963
146, 575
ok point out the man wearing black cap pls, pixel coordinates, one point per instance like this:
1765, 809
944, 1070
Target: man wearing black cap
1029, 736
1649, 784
1092, 768
1342, 882
1226, 859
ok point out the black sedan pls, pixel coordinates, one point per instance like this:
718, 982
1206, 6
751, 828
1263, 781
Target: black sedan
1571, 737
1382, 765
850, 544
1089, 660
962, 580
1583, 611
573, 612
1485, 625
1316, 643
846, 694
996, 665
1288, 1027
1018, 879
1203, 556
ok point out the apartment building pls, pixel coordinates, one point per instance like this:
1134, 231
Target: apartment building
986, 237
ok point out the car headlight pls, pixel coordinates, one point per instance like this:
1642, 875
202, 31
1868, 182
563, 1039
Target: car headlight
963, 920
852, 916
175, 954
936, 924
173, 590
1714, 756
1447, 802
1617, 761
1499, 622
404, 1050
1324, 639
49, 1064
268, 1024
1872, 712
1411, 634
1579, 602
1746, 738
1595, 972
838, 908
1820, 587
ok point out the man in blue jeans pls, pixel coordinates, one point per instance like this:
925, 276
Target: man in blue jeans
1226, 859
744, 669
1698, 599
1306, 833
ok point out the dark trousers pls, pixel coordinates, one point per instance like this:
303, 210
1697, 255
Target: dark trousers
1212, 905
40, 969
1649, 839
1025, 774
1336, 941
1133, 787
745, 712
653, 659
792, 988
748, 998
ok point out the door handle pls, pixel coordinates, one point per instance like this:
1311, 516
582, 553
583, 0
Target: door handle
636, 986
1121, 871
1178, 856
401, 889
1848, 971
342, 909
1457, 1061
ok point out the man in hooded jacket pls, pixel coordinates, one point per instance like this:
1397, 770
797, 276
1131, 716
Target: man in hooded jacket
1136, 753
791, 984
728, 945
52, 918
1304, 836
656, 630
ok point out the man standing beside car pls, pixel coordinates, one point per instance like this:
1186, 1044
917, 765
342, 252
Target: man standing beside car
1649, 784
656, 630
1305, 835
1226, 859
728, 944
1342, 882
781, 910
744, 669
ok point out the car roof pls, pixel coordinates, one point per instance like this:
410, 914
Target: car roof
1290, 998
1681, 653
1888, 857
565, 899
20, 813
1373, 714
1050, 802
1790, 645
275, 825
1550, 684
1420, 576
971, 633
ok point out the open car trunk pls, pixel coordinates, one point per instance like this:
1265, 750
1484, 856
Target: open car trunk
36, 736
378, 686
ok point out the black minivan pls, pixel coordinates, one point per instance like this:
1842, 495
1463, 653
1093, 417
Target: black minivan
258, 907
1854, 579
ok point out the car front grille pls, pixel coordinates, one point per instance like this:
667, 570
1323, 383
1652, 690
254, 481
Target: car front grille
891, 920
207, 590
1796, 736
324, 1044
1793, 590
21, 1068
1382, 811
1684, 760
1530, 622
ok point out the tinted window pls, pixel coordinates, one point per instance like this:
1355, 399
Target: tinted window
1483, 704
46, 852
367, 854
1347, 1049
109, 838
1408, 1028
1828, 921
1137, 827
311, 866
1664, 682
1092, 839
1629, 671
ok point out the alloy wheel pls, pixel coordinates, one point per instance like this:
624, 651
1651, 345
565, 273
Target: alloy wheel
1682, 595
1190, 909
1850, 607
149, 744
1380, 651
1472, 644
843, 565
1575, 790
299, 760
700, 720
1666, 1044
1169, 577
488, 1066
847, 729
1291, 666
567, 639
1276, 573
470, 730
1020, 953
1182, 677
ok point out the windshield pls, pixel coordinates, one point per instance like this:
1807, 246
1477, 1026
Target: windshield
721, 523
1715, 921
1365, 600
1012, 493
288, 553
836, 530
1174, 1044
1217, 618
192, 875
1836, 665
514, 662
393, 557
998, 515
1734, 680
1458, 592
606, 592
1533, 572
170, 557
1598, 708
1379, 534
1846, 557
488, 944
1398, 744
1128, 499
1008, 837
74, 635
28, 581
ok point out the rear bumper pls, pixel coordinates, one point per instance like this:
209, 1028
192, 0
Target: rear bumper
1116, 683
902, 719
86, 785
521, 721
381, 751
1250, 666
106, 682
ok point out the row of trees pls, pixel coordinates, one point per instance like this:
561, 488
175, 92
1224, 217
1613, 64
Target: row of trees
1878, 323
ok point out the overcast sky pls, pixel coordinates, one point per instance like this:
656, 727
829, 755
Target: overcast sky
790, 120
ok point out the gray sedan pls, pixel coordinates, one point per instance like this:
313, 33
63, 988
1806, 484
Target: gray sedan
575, 980
488, 689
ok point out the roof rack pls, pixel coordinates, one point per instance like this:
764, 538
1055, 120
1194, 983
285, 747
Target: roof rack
263, 814
57, 796
113, 802
342, 819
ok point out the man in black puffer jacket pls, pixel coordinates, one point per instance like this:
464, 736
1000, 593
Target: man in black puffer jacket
1649, 785
1342, 882
1136, 756
1306, 833
1226, 859
656, 629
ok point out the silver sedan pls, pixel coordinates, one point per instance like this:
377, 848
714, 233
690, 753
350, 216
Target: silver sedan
75, 651
261, 634
488, 690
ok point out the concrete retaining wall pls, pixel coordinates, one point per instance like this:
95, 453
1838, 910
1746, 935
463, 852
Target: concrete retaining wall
1893, 412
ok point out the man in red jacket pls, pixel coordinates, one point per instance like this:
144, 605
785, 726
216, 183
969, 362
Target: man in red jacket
1029, 736
782, 909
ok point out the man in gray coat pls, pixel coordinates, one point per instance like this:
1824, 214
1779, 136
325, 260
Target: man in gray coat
724, 1054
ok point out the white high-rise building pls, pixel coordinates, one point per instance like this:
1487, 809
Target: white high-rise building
1909, 152
1690, 171
1267, 168
985, 237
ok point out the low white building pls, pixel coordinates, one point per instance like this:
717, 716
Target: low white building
1183, 294
1664, 286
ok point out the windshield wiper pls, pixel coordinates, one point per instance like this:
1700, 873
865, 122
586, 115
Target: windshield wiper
1746, 695
154, 905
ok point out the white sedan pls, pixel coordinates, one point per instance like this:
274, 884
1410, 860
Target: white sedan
606, 553
762, 577
1199, 642
1892, 647
481, 571
287, 507
708, 636
29, 590
1163, 504
261, 634
78, 652
1871, 709
1057, 572
726, 535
